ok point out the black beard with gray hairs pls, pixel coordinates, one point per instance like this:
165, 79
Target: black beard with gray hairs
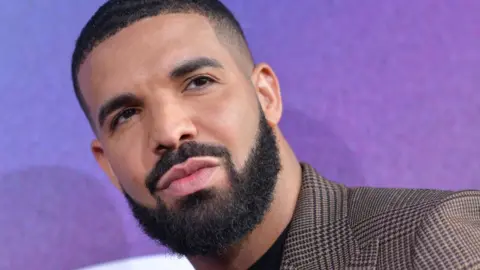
209, 221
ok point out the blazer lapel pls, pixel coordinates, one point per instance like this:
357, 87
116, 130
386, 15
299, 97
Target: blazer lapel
320, 236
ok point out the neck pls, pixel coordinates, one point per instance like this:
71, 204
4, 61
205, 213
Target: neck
277, 218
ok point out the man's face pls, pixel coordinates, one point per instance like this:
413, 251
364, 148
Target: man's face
181, 132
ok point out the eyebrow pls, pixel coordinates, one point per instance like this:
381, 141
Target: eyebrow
116, 103
193, 65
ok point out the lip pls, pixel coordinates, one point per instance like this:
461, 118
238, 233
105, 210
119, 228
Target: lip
182, 170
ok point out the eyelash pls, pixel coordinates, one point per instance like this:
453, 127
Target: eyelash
201, 77
115, 120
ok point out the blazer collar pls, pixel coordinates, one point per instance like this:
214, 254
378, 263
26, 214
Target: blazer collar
320, 236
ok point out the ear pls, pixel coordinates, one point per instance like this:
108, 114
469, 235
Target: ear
102, 160
268, 92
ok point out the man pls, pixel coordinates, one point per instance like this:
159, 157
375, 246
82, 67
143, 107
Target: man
186, 127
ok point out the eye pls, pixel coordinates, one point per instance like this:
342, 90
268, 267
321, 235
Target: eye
200, 82
122, 117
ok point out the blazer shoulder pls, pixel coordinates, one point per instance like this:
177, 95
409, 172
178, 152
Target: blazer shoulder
366, 203
449, 234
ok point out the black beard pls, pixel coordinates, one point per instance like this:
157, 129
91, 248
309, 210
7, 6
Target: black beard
209, 221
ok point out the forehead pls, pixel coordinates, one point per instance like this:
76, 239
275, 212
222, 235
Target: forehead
148, 48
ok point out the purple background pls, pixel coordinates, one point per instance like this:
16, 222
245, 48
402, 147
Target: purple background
378, 93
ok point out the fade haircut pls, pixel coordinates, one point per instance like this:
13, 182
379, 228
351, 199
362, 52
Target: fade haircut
116, 15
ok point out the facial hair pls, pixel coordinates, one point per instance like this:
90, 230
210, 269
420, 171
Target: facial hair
209, 221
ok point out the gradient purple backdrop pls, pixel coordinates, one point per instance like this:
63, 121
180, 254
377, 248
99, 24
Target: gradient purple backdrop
377, 93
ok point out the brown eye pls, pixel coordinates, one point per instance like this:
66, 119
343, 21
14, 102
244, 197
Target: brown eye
200, 83
123, 116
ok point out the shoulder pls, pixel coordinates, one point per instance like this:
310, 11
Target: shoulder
384, 204
389, 215
437, 229
449, 234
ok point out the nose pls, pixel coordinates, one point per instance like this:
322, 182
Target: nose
172, 125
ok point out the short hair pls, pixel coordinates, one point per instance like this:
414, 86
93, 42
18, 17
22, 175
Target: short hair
116, 15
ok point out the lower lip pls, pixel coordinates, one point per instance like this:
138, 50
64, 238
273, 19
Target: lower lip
197, 181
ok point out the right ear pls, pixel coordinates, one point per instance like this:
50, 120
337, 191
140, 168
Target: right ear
102, 160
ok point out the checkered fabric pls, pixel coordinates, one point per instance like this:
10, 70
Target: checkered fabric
335, 227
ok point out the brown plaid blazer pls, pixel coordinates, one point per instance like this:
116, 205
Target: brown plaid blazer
335, 227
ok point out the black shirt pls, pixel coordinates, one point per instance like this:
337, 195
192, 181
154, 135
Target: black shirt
272, 259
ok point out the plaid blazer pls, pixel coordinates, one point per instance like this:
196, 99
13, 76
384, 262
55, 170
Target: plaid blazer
335, 227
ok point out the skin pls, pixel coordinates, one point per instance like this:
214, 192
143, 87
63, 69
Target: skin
167, 111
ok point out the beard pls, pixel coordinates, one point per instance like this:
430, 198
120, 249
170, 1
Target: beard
209, 221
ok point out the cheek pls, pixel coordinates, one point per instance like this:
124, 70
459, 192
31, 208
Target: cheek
233, 122
130, 168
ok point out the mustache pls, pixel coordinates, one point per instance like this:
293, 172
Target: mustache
173, 157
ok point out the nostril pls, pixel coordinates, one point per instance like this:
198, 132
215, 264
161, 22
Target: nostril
186, 137
160, 149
